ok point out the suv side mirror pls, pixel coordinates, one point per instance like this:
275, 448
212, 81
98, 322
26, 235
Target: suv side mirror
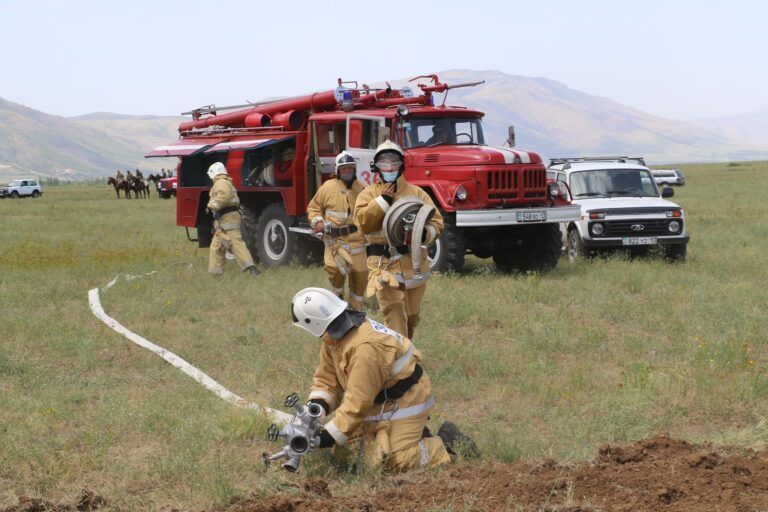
667, 192
511, 136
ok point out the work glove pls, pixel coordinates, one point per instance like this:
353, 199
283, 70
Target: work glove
378, 279
318, 228
326, 439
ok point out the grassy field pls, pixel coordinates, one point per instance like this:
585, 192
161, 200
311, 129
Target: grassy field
533, 366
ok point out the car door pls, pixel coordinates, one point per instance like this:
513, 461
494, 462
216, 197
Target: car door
24, 189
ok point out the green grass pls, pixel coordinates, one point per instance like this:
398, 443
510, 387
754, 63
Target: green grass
533, 366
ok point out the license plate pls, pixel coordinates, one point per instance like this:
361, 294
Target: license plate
639, 240
534, 216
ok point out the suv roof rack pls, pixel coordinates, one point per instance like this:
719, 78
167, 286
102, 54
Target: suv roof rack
569, 160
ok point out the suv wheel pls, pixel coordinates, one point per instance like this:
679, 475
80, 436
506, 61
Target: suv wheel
675, 253
35, 193
575, 247
15, 194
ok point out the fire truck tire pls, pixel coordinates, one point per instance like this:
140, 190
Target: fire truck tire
248, 229
275, 244
448, 252
536, 248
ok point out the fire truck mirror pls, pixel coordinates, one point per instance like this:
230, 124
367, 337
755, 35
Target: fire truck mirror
511, 137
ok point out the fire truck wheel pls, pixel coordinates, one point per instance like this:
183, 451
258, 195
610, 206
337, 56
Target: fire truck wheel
275, 244
447, 253
530, 248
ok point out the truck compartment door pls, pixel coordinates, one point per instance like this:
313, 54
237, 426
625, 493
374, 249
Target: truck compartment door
364, 134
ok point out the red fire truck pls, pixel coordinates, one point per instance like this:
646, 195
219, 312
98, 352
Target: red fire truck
496, 201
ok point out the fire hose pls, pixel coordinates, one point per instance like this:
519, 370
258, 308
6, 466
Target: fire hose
404, 224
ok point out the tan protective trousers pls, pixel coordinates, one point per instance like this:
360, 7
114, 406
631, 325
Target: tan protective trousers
399, 444
358, 277
401, 307
234, 239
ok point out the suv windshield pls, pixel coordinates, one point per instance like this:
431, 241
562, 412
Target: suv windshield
429, 131
613, 183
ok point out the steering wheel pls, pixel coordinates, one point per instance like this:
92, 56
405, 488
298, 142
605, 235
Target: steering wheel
468, 136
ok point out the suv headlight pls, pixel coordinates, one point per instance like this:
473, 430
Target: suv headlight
674, 226
461, 193
598, 228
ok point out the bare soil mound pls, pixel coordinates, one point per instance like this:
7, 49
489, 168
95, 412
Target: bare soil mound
650, 475
655, 474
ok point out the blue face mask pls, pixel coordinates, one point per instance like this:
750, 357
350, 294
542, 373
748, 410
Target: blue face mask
390, 177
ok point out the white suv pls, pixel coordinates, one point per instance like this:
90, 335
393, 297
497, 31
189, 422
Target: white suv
21, 188
621, 207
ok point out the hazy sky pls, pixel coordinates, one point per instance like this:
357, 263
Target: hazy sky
682, 59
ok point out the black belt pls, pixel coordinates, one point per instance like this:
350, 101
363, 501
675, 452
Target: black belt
383, 250
343, 231
227, 209
400, 388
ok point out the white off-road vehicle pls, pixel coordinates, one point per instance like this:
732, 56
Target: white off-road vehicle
22, 188
621, 207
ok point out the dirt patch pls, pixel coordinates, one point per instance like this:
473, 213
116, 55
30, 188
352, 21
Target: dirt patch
657, 474
85, 502
651, 475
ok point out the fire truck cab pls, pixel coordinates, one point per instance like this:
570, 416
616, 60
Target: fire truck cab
496, 201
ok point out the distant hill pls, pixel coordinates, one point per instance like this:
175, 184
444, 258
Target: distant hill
549, 117
751, 127
555, 120
35, 143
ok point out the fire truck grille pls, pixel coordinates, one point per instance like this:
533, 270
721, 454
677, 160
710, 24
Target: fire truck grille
534, 178
506, 184
502, 183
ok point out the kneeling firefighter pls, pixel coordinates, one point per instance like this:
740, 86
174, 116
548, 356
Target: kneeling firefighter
372, 379
398, 282
225, 206
330, 214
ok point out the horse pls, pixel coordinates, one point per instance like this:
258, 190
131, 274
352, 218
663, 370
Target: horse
140, 188
118, 186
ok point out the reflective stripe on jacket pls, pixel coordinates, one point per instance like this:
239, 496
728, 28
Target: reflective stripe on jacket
223, 194
334, 202
354, 369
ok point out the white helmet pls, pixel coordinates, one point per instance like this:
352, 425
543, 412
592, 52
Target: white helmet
315, 308
344, 158
388, 147
215, 169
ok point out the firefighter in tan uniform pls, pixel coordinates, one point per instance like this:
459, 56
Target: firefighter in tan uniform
400, 304
225, 206
330, 214
371, 378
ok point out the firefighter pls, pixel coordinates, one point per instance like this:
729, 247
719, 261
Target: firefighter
344, 255
401, 304
225, 206
372, 379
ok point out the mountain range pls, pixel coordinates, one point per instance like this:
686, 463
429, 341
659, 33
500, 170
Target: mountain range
549, 117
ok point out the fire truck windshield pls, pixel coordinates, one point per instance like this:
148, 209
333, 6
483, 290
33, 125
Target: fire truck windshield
431, 131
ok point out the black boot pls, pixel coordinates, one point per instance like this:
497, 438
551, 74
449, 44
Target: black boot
253, 271
456, 442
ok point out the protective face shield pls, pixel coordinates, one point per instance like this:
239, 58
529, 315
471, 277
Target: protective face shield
215, 169
313, 309
389, 166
